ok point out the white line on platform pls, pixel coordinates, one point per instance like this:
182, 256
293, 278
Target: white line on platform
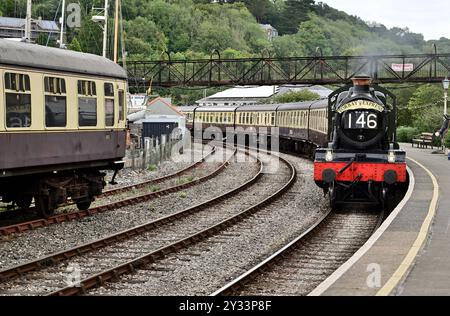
418, 243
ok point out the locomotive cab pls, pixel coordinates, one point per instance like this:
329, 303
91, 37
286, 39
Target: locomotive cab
362, 162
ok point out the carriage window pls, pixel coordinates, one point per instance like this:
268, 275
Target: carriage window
87, 103
109, 104
121, 105
55, 102
18, 100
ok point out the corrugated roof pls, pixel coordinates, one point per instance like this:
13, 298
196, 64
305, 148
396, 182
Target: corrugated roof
217, 109
246, 92
41, 57
47, 25
20, 24
12, 22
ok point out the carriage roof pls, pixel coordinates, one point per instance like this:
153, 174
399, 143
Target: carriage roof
56, 59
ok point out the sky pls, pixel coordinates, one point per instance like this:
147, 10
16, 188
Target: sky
431, 17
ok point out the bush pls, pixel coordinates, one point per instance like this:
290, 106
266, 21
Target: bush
447, 140
405, 134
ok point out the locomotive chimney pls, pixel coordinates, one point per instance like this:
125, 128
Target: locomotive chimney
361, 84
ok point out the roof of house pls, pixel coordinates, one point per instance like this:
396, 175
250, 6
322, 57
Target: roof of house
143, 114
20, 23
41, 57
267, 26
12, 22
165, 102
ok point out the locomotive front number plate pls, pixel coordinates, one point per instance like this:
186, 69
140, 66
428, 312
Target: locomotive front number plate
360, 120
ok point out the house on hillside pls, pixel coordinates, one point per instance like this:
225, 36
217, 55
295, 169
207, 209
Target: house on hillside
15, 28
270, 31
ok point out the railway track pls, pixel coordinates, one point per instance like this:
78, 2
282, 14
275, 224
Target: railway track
109, 258
301, 265
146, 189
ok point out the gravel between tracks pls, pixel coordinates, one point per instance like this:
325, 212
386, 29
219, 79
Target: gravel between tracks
203, 268
17, 249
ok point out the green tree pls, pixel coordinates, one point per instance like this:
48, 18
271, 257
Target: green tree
426, 106
294, 13
143, 37
89, 36
261, 9
296, 96
75, 45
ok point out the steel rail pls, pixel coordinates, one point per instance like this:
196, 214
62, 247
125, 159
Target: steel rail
267, 263
130, 266
56, 219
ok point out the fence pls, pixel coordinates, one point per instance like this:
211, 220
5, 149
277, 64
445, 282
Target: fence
153, 152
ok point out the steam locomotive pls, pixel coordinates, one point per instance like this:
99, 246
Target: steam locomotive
361, 162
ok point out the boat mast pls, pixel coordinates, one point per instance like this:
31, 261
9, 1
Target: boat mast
102, 19
105, 29
61, 38
28, 23
116, 30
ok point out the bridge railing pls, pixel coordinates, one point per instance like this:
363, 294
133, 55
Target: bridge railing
292, 70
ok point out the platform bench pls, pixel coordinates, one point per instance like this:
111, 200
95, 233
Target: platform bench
423, 140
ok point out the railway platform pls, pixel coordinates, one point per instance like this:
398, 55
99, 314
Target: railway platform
409, 254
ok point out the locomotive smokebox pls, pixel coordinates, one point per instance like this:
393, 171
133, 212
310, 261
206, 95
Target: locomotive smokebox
361, 84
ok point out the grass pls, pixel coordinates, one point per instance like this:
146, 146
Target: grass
185, 180
183, 195
155, 188
152, 168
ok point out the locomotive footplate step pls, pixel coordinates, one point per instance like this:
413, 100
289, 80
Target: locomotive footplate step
409, 254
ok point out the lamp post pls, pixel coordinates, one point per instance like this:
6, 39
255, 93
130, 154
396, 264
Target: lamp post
445, 83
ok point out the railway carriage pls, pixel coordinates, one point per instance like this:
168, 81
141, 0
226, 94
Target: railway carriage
302, 125
63, 123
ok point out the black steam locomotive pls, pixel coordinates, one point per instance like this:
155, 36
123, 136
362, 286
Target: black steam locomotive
362, 162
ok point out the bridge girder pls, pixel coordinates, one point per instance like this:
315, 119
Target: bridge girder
419, 68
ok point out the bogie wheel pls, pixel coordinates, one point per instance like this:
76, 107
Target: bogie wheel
44, 207
24, 202
84, 205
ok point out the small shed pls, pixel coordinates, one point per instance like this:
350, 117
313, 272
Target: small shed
159, 118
